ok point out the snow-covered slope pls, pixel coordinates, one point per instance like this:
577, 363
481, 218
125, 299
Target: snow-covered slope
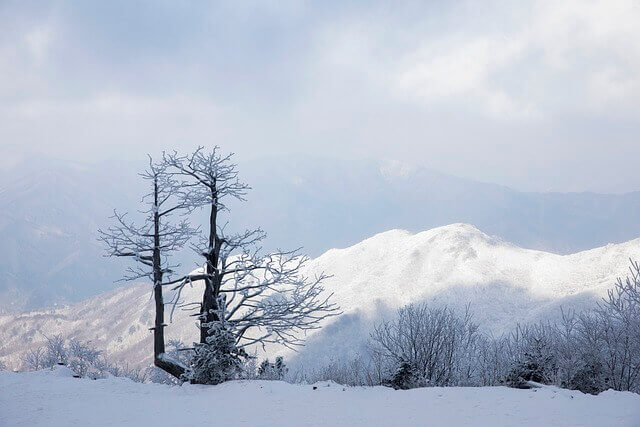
54, 398
455, 265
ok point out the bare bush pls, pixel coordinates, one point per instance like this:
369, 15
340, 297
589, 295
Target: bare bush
360, 370
82, 358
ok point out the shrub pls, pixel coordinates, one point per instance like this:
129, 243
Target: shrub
405, 378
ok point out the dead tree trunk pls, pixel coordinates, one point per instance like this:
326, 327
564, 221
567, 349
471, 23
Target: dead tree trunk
209, 311
159, 358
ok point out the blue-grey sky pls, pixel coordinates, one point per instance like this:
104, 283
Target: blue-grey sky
540, 95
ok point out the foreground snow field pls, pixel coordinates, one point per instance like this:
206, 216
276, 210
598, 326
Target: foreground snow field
54, 398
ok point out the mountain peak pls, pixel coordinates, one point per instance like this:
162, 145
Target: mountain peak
459, 233
453, 235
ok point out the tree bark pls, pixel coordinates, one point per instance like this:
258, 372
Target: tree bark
209, 309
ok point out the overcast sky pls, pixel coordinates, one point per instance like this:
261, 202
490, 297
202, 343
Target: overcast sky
534, 95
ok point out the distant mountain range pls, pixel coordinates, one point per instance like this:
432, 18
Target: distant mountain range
50, 211
454, 265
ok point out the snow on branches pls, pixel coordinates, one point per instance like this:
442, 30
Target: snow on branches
253, 297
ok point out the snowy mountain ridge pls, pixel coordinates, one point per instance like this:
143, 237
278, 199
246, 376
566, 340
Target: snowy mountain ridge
50, 210
454, 265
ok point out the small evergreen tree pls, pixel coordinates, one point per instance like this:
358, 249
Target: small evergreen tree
264, 369
404, 378
272, 371
589, 378
280, 368
219, 359
537, 364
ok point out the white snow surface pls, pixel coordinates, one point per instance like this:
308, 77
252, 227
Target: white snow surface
54, 398
454, 265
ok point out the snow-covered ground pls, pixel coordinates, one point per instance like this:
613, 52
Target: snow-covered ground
54, 398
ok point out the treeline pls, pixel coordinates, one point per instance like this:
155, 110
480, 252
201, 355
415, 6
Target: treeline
423, 346
590, 351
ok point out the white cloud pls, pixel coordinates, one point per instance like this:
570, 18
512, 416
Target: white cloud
454, 72
38, 41
614, 88
496, 91
113, 103
590, 47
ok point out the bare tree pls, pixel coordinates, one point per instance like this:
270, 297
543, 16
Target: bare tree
56, 353
628, 290
34, 359
432, 343
149, 246
493, 360
618, 322
259, 298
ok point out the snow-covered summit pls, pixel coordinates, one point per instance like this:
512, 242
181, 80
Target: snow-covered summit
407, 267
453, 234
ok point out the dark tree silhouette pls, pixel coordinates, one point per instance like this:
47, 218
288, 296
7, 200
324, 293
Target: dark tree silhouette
149, 246
259, 298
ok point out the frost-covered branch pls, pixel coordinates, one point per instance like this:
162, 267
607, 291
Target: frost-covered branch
258, 298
